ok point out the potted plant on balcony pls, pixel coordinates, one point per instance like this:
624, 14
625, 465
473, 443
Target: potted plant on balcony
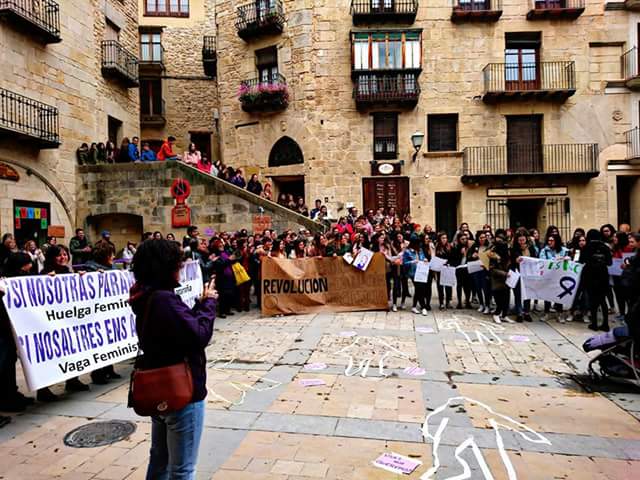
264, 96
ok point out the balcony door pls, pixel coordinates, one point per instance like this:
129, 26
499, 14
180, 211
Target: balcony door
550, 4
522, 61
267, 64
380, 6
524, 144
473, 5
264, 8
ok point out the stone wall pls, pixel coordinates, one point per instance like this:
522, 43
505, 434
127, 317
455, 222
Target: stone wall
66, 75
314, 54
191, 98
143, 190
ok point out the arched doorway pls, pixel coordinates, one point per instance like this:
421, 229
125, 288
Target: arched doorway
123, 227
285, 151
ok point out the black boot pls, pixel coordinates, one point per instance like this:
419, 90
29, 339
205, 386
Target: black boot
46, 396
593, 326
75, 385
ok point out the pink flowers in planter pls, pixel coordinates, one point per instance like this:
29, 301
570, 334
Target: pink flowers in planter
273, 94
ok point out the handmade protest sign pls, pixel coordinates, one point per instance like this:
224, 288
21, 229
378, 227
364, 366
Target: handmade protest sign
512, 278
66, 325
362, 260
422, 272
448, 276
554, 281
475, 266
308, 285
437, 263
615, 269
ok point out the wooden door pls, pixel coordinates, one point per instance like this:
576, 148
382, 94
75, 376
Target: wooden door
524, 144
385, 193
521, 69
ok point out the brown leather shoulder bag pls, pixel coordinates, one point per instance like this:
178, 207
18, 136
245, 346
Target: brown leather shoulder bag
159, 391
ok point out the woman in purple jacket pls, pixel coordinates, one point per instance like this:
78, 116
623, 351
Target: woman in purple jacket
168, 333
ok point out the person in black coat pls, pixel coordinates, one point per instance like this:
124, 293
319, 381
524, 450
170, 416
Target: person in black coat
595, 277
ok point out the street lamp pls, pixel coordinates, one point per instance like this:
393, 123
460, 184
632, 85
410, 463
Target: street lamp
416, 139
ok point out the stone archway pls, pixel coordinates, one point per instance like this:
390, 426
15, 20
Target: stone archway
285, 151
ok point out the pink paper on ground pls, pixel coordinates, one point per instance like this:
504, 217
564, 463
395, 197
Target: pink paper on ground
348, 334
518, 338
425, 330
312, 382
392, 462
414, 370
315, 366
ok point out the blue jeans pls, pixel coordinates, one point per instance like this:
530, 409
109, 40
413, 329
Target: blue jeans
175, 439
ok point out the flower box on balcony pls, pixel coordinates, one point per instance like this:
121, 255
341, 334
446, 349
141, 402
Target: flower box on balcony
263, 96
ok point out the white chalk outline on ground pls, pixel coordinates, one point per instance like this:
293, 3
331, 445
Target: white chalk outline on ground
364, 365
470, 441
240, 386
481, 338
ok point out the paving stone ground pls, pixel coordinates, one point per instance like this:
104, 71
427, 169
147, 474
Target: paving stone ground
450, 389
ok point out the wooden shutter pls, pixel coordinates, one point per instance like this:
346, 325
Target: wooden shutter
442, 133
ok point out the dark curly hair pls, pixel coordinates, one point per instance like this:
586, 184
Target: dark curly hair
156, 262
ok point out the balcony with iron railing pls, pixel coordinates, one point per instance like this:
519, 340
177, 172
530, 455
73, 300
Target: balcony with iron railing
632, 5
25, 118
575, 160
630, 72
632, 139
555, 9
38, 17
209, 56
260, 17
385, 88
151, 61
549, 81
119, 64
382, 11
260, 95
476, 11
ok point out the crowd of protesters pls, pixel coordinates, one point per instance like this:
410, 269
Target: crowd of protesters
403, 244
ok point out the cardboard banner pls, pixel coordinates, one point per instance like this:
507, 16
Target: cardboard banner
66, 325
554, 281
309, 285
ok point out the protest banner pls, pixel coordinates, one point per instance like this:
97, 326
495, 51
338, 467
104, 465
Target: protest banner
67, 325
554, 281
308, 285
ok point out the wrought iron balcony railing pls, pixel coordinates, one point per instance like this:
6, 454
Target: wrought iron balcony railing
533, 159
542, 80
476, 10
209, 56
41, 17
632, 138
630, 72
397, 87
27, 118
398, 11
118, 63
555, 9
260, 95
260, 17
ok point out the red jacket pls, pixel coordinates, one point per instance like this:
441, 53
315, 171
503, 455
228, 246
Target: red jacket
166, 151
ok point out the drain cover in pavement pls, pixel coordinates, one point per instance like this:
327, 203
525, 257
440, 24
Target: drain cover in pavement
99, 434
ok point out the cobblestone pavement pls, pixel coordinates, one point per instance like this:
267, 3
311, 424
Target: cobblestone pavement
451, 390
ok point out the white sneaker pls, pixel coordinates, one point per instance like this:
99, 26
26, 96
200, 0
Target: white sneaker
425, 312
415, 310
560, 318
570, 318
394, 308
401, 307
480, 309
497, 319
507, 319
486, 311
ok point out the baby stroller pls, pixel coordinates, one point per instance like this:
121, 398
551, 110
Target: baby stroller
619, 357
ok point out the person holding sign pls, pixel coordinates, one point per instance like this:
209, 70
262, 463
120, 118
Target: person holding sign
479, 278
522, 248
498, 272
554, 249
169, 333
410, 259
443, 251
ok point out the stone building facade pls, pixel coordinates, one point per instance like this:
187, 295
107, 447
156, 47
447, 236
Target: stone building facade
178, 91
57, 94
524, 106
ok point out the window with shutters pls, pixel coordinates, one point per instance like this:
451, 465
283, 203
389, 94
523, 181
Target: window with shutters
267, 63
385, 135
386, 50
166, 8
442, 132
